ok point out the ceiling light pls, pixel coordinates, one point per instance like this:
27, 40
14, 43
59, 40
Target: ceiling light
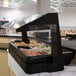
5, 3
34, 1
16, 25
57, 5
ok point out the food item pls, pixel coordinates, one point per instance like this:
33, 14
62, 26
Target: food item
35, 53
32, 41
21, 43
34, 48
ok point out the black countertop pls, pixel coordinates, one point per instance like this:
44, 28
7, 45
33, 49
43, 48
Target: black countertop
10, 35
69, 44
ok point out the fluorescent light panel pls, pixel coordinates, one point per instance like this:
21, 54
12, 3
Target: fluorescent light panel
35, 1
5, 3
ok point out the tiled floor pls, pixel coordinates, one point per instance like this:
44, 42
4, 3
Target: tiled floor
4, 69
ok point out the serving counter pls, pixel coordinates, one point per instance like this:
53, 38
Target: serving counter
71, 35
4, 44
6, 38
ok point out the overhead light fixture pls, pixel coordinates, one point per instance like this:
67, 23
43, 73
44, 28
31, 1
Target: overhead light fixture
16, 25
34, 1
5, 3
57, 5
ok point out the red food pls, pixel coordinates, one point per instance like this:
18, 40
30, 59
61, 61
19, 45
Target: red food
43, 53
36, 53
32, 53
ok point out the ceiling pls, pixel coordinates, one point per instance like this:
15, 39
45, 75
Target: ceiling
58, 5
53, 3
13, 3
64, 3
69, 3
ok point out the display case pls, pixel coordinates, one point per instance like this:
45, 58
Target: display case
36, 55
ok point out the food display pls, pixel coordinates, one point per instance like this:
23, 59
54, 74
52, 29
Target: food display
21, 43
34, 53
41, 56
34, 48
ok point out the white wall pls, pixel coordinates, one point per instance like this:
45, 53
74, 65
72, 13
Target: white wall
18, 14
10, 14
68, 17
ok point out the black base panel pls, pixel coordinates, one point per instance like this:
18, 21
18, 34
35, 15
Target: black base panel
68, 58
37, 67
32, 59
41, 66
18, 59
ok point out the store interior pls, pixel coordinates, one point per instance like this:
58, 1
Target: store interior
37, 37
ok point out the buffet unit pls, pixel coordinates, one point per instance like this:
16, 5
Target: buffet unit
35, 55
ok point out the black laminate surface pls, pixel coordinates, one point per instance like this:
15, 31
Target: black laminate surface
10, 35
70, 44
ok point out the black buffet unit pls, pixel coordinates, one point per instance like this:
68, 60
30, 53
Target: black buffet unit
45, 57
